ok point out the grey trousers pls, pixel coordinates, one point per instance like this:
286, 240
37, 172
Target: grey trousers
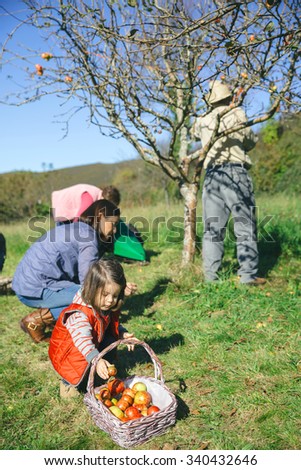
228, 189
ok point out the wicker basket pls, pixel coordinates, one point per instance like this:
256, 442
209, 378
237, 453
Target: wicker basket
132, 433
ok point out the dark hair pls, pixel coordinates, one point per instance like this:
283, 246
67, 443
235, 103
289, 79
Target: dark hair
111, 194
100, 272
91, 216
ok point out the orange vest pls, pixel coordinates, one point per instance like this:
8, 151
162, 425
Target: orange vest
66, 359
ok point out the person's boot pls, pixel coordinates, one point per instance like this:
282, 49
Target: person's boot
35, 324
67, 391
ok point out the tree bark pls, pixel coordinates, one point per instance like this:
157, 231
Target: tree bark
189, 192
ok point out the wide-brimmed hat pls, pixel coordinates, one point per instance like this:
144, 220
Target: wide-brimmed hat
218, 92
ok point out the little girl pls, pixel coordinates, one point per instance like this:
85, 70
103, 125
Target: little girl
90, 324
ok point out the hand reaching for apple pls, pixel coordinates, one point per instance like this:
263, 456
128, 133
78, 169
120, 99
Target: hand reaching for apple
126, 335
102, 368
130, 289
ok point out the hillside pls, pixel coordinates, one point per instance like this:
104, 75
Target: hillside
277, 168
24, 194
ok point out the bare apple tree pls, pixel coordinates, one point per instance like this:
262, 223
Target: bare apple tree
142, 68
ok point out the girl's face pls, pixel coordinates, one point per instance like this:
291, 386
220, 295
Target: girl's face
108, 226
107, 296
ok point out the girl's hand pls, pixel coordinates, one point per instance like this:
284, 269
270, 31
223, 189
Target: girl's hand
130, 289
102, 368
126, 335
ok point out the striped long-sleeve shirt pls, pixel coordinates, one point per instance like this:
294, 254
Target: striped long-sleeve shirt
80, 330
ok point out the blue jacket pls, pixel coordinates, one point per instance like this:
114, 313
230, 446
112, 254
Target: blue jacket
60, 258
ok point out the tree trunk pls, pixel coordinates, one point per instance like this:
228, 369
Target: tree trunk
189, 193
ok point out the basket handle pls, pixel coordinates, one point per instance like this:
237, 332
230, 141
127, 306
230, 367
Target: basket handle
156, 362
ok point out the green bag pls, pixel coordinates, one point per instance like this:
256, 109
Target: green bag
127, 245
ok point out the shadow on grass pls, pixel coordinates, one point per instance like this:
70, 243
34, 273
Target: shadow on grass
151, 253
269, 253
129, 360
182, 409
139, 302
269, 249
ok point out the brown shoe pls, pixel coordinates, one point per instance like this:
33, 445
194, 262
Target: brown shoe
67, 391
35, 324
258, 281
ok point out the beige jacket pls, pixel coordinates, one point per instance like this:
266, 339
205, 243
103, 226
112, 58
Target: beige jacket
229, 149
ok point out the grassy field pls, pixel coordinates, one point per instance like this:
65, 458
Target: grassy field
231, 354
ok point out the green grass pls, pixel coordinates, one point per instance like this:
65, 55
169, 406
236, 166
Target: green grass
231, 354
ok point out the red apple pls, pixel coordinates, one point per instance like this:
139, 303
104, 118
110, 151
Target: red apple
132, 413
122, 404
140, 407
127, 398
139, 387
39, 69
107, 403
104, 394
46, 55
115, 386
129, 391
143, 398
152, 409
116, 411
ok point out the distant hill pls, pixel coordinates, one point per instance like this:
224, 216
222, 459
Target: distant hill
98, 174
24, 194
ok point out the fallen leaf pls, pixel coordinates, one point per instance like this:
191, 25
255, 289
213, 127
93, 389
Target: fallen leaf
205, 391
240, 340
270, 319
213, 367
261, 325
204, 445
217, 313
233, 411
250, 382
168, 446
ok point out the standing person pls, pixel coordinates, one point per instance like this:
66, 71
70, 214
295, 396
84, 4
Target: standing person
89, 325
228, 188
54, 267
69, 203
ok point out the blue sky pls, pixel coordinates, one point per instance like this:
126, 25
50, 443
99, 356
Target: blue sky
31, 137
